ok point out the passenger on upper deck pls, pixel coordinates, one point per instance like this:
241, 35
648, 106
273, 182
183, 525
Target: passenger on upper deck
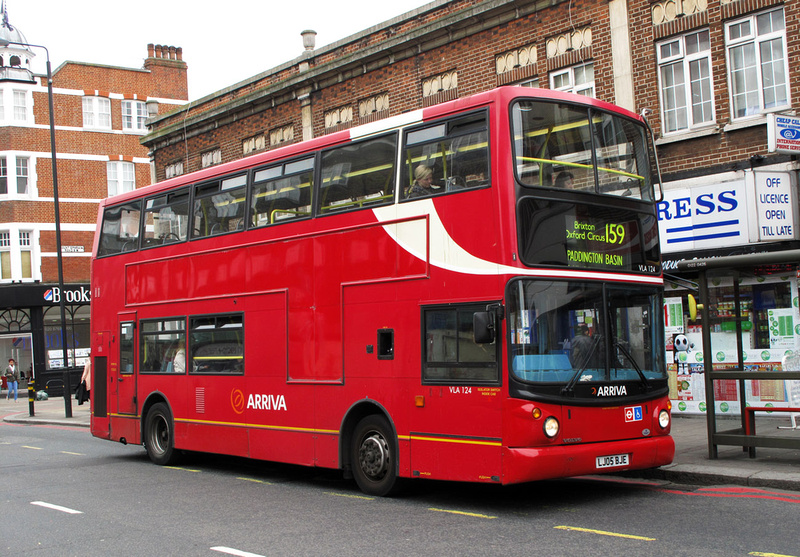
423, 183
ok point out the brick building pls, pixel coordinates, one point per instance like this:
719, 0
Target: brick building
100, 114
718, 76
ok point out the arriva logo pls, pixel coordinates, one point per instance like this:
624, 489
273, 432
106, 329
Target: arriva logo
237, 401
612, 390
256, 402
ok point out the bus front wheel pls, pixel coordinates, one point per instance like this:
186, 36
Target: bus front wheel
373, 457
159, 435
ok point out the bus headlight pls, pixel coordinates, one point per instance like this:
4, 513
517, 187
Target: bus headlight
663, 419
551, 427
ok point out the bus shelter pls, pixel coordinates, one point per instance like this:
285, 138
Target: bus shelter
733, 313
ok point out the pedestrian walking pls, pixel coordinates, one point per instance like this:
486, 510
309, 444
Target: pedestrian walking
12, 378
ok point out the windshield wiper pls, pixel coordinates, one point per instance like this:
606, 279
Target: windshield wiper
568, 388
636, 367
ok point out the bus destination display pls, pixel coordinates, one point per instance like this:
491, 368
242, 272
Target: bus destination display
587, 236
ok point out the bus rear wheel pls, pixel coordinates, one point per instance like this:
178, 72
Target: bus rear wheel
373, 457
159, 435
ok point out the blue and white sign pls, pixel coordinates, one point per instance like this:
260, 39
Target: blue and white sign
783, 134
703, 217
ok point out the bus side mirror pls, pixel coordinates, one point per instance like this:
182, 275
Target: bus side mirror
483, 327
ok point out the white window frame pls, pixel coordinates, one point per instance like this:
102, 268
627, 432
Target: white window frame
121, 177
12, 164
743, 32
680, 109
96, 113
134, 115
15, 242
572, 80
21, 103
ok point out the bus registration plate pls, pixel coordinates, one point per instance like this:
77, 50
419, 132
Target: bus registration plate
612, 460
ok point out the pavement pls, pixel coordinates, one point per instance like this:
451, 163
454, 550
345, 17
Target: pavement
771, 468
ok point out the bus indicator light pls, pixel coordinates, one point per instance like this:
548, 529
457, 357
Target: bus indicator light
633, 414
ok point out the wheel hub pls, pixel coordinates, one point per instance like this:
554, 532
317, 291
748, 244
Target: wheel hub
373, 456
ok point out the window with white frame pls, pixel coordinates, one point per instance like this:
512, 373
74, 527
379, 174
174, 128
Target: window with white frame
685, 84
134, 114
5, 255
16, 255
757, 63
576, 79
22, 175
25, 254
3, 176
121, 177
15, 179
96, 113
20, 105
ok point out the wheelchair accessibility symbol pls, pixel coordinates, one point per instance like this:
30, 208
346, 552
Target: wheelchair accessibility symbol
633, 414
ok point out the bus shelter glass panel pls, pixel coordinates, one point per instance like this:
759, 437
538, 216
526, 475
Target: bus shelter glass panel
120, 229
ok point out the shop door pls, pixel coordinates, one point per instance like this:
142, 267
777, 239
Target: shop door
126, 372
19, 347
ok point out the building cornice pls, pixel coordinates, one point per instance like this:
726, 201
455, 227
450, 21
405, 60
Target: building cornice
181, 124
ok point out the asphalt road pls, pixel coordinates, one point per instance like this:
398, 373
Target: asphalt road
70, 494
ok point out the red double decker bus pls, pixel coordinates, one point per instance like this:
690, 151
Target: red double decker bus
470, 291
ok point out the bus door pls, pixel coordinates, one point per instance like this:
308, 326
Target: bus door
125, 377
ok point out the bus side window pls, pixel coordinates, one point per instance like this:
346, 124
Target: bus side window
454, 155
219, 207
120, 229
216, 344
166, 219
358, 175
281, 192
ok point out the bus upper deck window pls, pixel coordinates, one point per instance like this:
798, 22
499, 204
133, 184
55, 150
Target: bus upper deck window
120, 229
446, 157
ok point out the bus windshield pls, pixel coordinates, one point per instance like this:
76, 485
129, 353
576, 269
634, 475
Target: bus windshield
573, 332
577, 148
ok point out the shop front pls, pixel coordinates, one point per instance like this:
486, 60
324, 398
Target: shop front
31, 332
745, 222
